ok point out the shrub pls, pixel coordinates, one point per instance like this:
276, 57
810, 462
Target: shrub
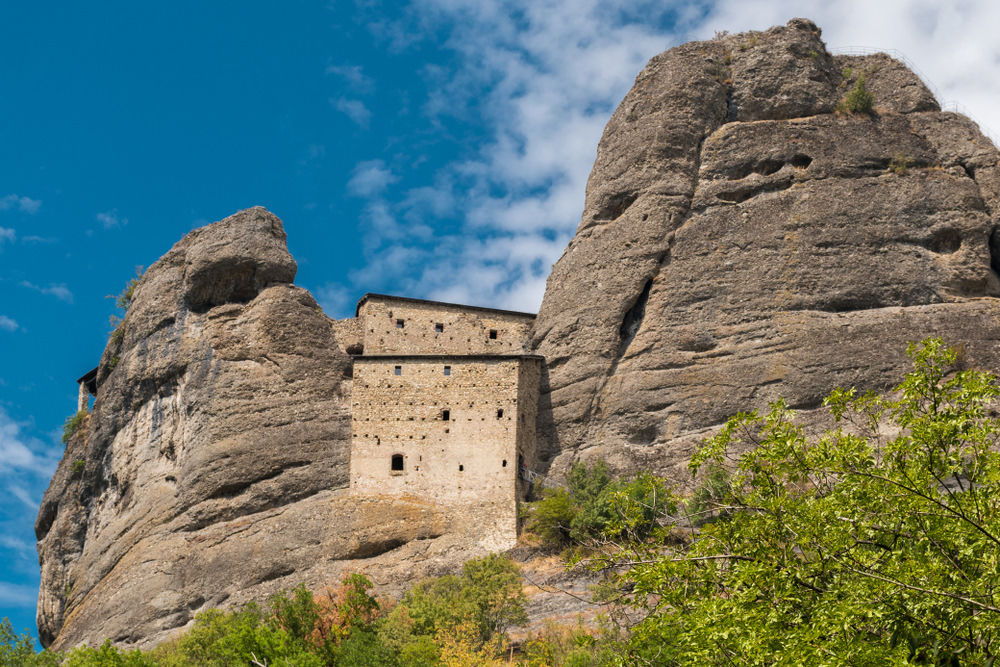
72, 425
122, 301
898, 164
553, 517
594, 501
486, 600
78, 467
859, 100
106, 656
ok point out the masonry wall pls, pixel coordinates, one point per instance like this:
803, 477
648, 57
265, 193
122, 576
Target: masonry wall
458, 436
399, 326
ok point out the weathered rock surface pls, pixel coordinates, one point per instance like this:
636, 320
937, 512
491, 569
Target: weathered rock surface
215, 455
743, 241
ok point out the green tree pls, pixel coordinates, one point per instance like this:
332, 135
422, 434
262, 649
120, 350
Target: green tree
874, 544
19, 650
487, 598
859, 100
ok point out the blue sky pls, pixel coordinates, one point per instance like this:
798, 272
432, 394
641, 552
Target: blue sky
433, 148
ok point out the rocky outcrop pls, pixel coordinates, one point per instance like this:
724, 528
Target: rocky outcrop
743, 240
213, 467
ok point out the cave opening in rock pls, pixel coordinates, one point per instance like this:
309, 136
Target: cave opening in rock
633, 318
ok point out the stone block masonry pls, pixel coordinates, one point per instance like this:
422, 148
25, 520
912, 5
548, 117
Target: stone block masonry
444, 406
400, 325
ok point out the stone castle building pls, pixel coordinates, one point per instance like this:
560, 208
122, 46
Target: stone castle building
444, 402
444, 406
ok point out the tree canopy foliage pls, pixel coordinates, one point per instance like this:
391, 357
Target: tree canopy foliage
873, 544
451, 620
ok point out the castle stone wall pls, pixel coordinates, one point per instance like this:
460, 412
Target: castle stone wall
396, 325
457, 437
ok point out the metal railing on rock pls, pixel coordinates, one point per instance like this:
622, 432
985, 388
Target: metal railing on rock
949, 105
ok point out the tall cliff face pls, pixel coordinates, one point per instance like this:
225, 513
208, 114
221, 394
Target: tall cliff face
216, 453
743, 240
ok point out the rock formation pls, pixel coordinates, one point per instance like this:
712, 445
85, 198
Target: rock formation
743, 239
216, 454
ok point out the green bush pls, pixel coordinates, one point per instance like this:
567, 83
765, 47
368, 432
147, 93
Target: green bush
859, 100
123, 300
553, 516
72, 425
106, 656
593, 502
486, 598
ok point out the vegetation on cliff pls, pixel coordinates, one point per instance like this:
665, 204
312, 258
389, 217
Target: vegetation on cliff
452, 620
875, 543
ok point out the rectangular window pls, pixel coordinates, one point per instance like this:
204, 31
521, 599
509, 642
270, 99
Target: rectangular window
398, 370
446, 415
447, 370
400, 323
493, 334
438, 328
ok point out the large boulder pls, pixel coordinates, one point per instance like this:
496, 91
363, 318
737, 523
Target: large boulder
745, 238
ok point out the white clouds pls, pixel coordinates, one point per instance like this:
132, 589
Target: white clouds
8, 324
24, 496
541, 78
7, 235
353, 109
17, 595
111, 219
335, 300
59, 291
369, 178
19, 454
22, 204
354, 77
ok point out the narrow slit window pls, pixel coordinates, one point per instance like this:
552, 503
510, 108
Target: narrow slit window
439, 328
499, 413
447, 370
398, 370
493, 334
461, 467
505, 463
446, 415
397, 463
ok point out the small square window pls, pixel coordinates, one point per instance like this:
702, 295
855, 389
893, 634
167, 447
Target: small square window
447, 370
446, 415
500, 413
439, 328
493, 334
398, 370
400, 323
